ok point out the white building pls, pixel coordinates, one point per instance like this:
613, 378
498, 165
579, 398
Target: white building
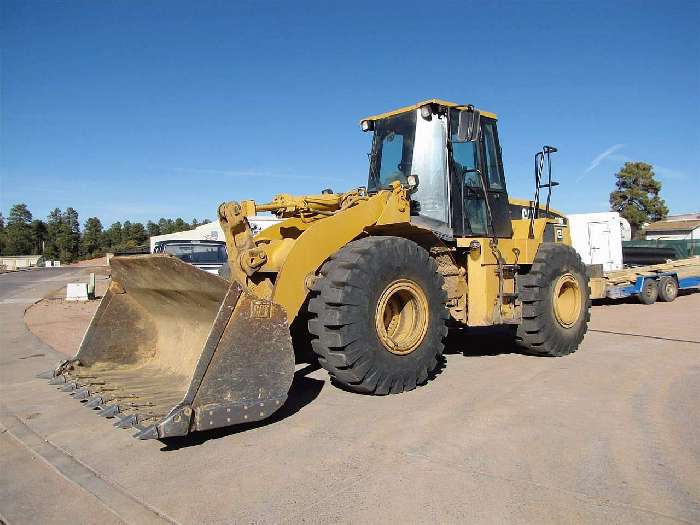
212, 231
15, 262
678, 227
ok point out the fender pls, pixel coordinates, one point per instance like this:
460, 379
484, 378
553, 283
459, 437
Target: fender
325, 237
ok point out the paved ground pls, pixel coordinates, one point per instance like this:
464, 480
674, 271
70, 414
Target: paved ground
31, 282
60, 323
608, 435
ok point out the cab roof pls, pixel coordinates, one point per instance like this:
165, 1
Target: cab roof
417, 105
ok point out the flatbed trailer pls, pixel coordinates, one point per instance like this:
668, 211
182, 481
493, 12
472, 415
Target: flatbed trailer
648, 283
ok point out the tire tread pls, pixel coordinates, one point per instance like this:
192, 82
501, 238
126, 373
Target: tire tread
537, 334
337, 297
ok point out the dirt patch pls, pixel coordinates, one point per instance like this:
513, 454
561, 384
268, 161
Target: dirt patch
100, 261
60, 323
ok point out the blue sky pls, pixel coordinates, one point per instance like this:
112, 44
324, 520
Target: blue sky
137, 110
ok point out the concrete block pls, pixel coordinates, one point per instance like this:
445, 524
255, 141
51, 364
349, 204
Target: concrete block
77, 292
91, 286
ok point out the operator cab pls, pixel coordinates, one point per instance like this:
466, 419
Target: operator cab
453, 154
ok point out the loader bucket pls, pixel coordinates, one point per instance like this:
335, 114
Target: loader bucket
173, 349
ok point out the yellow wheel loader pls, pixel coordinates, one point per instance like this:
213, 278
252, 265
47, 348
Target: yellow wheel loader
369, 279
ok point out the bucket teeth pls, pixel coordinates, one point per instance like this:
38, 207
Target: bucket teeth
146, 432
81, 393
109, 411
94, 402
127, 421
46, 374
58, 380
68, 387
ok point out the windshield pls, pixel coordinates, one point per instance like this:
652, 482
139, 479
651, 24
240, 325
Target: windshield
392, 150
198, 253
409, 144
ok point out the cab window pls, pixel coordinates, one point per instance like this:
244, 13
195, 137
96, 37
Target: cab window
392, 151
393, 165
492, 169
465, 160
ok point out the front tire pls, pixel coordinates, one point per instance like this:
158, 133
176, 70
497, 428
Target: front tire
378, 315
556, 302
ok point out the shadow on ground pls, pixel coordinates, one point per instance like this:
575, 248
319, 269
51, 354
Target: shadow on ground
482, 341
303, 391
470, 342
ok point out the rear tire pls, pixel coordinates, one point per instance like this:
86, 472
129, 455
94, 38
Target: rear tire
668, 289
649, 292
556, 302
378, 315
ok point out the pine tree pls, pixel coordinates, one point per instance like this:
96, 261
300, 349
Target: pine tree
3, 240
636, 196
115, 235
59, 237
39, 236
70, 236
152, 229
126, 233
54, 224
19, 231
163, 226
92, 237
138, 234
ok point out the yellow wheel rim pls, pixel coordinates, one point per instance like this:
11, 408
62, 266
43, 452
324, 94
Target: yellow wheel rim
567, 300
402, 317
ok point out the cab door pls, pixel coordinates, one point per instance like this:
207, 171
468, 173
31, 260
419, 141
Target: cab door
468, 161
492, 168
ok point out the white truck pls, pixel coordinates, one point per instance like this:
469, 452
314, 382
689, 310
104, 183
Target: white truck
204, 246
209, 256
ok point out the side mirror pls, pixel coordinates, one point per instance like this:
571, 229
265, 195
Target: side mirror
469, 125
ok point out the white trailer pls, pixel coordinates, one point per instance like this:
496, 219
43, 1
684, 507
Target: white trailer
597, 237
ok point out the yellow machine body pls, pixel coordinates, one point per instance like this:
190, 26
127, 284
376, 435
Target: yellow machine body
173, 349
291, 252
